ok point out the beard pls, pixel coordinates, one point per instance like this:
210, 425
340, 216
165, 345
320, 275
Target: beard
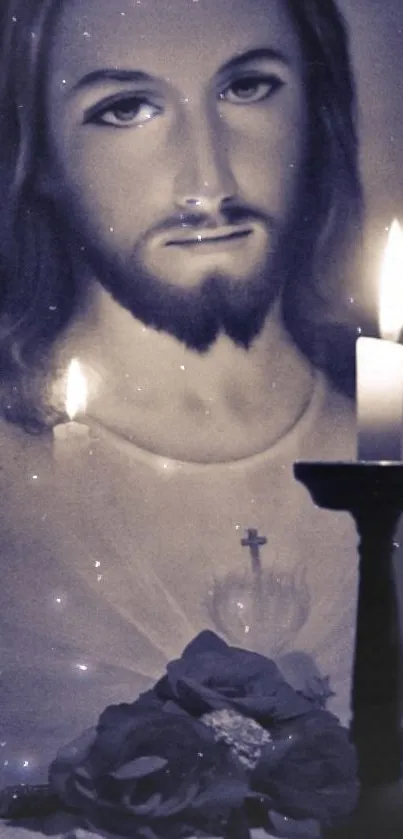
195, 316
218, 305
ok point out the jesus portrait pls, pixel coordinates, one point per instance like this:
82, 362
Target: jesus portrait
182, 221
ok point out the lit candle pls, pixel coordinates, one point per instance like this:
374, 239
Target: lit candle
380, 365
68, 435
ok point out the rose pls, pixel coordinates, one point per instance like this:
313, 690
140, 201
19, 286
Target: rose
221, 744
150, 774
309, 770
210, 676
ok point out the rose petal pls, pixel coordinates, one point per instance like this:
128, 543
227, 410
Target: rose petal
86, 792
139, 768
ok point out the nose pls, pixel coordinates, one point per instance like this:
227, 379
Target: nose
204, 181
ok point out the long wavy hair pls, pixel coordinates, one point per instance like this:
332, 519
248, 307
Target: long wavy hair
39, 284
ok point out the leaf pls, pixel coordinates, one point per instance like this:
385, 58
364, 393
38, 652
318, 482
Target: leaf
139, 768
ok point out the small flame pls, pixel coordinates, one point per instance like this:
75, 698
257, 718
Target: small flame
76, 395
391, 286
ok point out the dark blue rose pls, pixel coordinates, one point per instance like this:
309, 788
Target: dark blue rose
309, 770
210, 675
150, 774
221, 744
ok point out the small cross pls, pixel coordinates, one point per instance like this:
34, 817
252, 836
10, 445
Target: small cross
253, 541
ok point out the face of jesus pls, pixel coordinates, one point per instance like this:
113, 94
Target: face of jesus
176, 141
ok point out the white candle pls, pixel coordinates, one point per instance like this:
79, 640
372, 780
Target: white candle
69, 437
380, 366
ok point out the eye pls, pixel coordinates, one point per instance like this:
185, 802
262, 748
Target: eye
250, 89
126, 112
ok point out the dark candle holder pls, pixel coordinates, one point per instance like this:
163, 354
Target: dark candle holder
373, 494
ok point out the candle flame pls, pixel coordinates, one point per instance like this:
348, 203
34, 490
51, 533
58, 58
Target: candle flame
76, 393
391, 286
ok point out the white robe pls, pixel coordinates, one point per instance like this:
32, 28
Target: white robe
111, 560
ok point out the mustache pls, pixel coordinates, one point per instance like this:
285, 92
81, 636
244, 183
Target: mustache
201, 219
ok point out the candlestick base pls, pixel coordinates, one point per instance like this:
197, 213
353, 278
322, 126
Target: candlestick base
373, 494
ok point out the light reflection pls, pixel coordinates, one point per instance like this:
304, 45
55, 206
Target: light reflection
59, 599
391, 287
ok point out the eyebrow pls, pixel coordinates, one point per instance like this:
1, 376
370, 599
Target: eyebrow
111, 74
260, 53
120, 75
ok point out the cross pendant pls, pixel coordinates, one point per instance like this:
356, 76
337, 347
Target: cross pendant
254, 542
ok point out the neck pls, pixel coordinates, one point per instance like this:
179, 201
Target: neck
221, 405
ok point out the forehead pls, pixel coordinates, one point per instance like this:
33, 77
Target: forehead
164, 36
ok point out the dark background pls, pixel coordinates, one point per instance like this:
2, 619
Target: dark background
376, 30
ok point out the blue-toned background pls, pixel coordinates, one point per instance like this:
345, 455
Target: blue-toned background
377, 43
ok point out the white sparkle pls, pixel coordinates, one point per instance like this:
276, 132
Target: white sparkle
25, 763
82, 667
97, 564
183, 367
34, 477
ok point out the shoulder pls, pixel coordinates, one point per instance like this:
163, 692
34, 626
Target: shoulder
16, 443
22, 455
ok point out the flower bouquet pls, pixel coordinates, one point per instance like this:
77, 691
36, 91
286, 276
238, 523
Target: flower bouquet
220, 745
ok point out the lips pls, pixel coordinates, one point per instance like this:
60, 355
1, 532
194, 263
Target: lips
208, 236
